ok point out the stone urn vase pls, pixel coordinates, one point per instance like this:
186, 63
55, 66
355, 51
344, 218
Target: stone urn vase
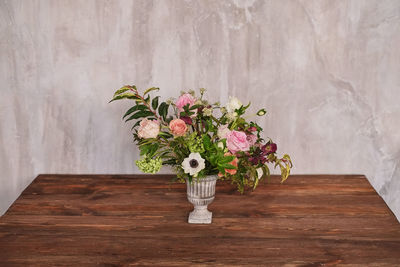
201, 192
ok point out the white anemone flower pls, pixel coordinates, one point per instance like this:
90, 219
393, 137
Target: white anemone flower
193, 164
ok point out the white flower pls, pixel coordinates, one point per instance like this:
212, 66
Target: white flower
148, 129
193, 164
233, 104
207, 111
231, 116
223, 131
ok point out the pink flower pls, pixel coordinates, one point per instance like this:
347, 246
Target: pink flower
237, 141
185, 99
178, 127
251, 138
148, 129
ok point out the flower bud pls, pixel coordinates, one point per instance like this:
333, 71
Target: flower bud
220, 145
261, 112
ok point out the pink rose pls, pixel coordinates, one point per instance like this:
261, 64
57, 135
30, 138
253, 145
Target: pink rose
185, 99
251, 138
237, 141
148, 129
178, 127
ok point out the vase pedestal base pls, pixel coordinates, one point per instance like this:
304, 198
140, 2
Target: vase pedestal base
200, 215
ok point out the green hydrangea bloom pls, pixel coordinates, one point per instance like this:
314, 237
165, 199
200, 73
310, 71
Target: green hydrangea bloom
149, 165
195, 144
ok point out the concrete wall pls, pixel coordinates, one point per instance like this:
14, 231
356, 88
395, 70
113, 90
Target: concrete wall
328, 72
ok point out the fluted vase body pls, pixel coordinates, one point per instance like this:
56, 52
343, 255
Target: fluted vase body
201, 192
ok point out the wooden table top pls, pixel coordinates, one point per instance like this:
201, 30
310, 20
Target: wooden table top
113, 220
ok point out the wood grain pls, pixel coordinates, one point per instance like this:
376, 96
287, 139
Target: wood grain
119, 220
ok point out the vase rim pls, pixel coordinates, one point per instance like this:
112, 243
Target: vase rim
207, 178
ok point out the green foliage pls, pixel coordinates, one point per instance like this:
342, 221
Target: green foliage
124, 89
163, 110
154, 102
150, 89
122, 96
140, 114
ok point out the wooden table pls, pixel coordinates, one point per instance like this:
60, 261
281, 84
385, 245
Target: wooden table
113, 220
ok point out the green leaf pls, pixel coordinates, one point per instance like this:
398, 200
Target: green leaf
186, 114
144, 149
124, 89
140, 114
169, 162
135, 125
246, 107
166, 134
151, 89
266, 171
163, 110
288, 159
153, 149
207, 141
228, 166
186, 108
133, 109
154, 103
226, 159
126, 95
213, 159
194, 107
120, 91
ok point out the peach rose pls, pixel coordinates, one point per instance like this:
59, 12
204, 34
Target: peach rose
178, 127
233, 162
148, 129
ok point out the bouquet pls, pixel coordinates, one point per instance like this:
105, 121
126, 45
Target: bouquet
199, 139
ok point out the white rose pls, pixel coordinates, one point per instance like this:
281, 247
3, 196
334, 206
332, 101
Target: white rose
233, 104
148, 129
223, 131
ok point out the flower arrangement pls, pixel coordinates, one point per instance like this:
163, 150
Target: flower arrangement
199, 139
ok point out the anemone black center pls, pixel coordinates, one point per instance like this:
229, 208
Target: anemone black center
193, 163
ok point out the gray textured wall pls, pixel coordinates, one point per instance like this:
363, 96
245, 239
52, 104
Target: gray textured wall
327, 71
